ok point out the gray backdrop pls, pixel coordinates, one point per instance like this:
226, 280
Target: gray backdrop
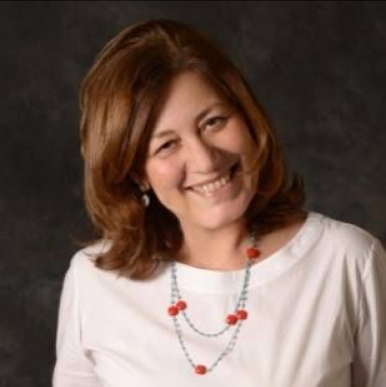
317, 67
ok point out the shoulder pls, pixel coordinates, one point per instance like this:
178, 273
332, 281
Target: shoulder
83, 261
345, 231
348, 240
90, 283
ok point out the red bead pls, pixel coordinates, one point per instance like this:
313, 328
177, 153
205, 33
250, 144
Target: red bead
252, 253
200, 369
172, 310
231, 319
181, 305
242, 314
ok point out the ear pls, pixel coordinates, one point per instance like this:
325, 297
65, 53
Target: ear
142, 183
144, 186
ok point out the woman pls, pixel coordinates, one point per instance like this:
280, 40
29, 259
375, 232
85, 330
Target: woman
206, 270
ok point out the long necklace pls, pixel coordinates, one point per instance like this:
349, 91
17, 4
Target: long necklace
233, 320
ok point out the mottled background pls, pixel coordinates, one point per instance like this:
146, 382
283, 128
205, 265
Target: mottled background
317, 67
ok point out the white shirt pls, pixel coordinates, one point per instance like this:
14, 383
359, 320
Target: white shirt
317, 318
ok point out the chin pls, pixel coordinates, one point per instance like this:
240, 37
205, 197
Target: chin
220, 216
218, 221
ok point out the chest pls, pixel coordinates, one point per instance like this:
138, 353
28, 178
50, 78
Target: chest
291, 337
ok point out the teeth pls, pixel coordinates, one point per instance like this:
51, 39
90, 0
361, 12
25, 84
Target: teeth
212, 187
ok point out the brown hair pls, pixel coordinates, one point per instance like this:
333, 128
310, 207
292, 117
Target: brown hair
120, 99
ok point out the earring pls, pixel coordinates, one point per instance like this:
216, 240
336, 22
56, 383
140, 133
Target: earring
145, 199
144, 196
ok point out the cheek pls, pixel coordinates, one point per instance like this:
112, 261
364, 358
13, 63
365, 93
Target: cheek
163, 175
237, 134
239, 141
245, 147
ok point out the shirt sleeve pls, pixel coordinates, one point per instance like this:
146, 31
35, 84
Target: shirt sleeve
72, 367
369, 365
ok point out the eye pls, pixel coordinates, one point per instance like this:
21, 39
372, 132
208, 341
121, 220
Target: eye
215, 121
166, 146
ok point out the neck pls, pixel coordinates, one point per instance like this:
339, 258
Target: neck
220, 249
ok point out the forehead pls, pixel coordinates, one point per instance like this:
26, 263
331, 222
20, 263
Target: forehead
188, 95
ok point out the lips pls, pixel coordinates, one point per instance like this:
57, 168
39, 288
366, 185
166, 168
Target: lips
215, 184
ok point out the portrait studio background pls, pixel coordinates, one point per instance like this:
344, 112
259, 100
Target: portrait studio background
318, 68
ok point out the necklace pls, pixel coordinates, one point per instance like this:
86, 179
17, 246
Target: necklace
233, 320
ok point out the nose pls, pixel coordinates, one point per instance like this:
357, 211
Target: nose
203, 157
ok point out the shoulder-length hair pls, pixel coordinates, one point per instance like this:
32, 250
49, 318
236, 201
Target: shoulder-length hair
120, 100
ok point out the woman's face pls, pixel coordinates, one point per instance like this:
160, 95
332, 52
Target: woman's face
197, 149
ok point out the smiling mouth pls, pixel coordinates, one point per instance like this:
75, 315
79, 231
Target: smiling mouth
209, 189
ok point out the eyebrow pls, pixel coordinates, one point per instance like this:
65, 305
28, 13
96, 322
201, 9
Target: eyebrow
199, 117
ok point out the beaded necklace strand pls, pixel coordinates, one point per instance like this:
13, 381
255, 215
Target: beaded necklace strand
234, 319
